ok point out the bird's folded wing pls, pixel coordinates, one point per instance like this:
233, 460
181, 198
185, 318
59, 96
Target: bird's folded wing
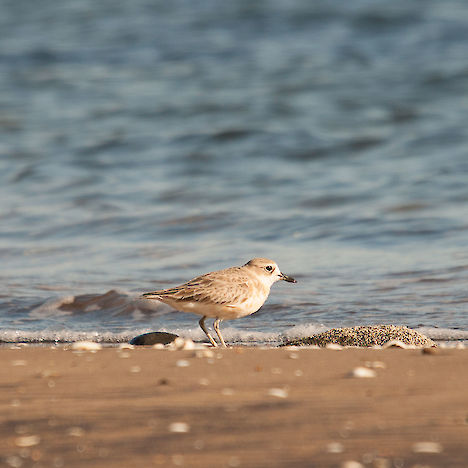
222, 287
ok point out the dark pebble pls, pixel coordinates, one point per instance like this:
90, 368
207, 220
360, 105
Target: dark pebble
152, 338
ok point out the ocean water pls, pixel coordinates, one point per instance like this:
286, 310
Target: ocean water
143, 143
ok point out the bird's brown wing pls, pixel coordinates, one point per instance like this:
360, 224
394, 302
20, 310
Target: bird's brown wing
220, 287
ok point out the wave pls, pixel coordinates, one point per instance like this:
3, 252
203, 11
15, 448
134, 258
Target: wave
113, 302
232, 335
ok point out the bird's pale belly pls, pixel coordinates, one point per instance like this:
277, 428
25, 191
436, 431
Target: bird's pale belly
223, 311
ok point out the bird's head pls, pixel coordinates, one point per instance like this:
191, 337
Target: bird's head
268, 271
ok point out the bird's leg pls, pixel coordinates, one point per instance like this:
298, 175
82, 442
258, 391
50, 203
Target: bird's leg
216, 327
202, 325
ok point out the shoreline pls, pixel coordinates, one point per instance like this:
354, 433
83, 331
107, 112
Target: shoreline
241, 406
15, 345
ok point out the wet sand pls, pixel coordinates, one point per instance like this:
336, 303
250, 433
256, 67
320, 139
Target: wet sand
236, 407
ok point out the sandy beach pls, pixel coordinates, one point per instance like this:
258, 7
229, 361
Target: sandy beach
237, 407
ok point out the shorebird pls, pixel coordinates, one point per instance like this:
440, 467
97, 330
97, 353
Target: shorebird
225, 294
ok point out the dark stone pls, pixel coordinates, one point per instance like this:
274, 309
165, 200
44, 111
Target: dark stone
152, 338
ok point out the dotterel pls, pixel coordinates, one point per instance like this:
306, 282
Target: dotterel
225, 294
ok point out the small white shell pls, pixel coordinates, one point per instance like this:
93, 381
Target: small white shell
182, 343
427, 447
126, 346
204, 353
335, 447
182, 363
86, 346
27, 441
351, 464
334, 346
179, 427
278, 392
363, 373
18, 362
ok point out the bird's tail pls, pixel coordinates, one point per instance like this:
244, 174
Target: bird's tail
152, 295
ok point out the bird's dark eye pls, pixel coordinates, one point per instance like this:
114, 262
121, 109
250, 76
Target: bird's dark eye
269, 268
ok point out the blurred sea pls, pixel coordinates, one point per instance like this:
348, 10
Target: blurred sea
145, 142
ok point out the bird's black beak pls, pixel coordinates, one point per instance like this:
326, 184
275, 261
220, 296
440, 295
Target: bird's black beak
287, 278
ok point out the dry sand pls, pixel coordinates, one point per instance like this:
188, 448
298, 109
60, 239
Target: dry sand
237, 407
